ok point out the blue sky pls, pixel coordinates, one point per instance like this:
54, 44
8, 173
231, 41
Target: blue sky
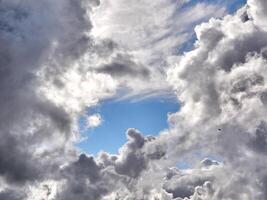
148, 116
233, 5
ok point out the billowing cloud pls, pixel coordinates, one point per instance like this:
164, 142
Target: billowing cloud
222, 83
59, 58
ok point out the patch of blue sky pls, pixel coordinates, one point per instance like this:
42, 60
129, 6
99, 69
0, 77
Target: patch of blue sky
234, 5
148, 116
231, 5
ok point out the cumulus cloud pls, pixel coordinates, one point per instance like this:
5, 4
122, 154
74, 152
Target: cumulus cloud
221, 84
109, 176
54, 65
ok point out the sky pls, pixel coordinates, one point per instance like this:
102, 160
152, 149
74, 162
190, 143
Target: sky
148, 116
133, 100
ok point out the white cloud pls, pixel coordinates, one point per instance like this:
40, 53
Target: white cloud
53, 68
222, 84
94, 120
151, 32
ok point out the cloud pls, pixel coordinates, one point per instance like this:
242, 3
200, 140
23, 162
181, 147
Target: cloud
11, 195
122, 67
152, 33
94, 121
54, 65
221, 84
45, 83
132, 161
108, 175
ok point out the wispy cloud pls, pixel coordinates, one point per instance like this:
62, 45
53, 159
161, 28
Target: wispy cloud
152, 33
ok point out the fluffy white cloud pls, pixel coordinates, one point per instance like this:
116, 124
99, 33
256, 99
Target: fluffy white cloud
94, 120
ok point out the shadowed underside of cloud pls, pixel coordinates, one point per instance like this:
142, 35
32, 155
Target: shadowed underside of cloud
52, 67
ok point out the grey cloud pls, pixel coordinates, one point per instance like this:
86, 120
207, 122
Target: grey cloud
11, 195
263, 97
263, 183
259, 141
45, 46
17, 164
152, 40
258, 12
84, 167
82, 178
106, 174
27, 34
122, 66
240, 49
247, 83
132, 160
183, 185
40, 43
222, 84
245, 17
105, 47
48, 60
208, 162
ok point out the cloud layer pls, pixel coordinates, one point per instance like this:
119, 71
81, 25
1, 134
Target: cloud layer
54, 65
